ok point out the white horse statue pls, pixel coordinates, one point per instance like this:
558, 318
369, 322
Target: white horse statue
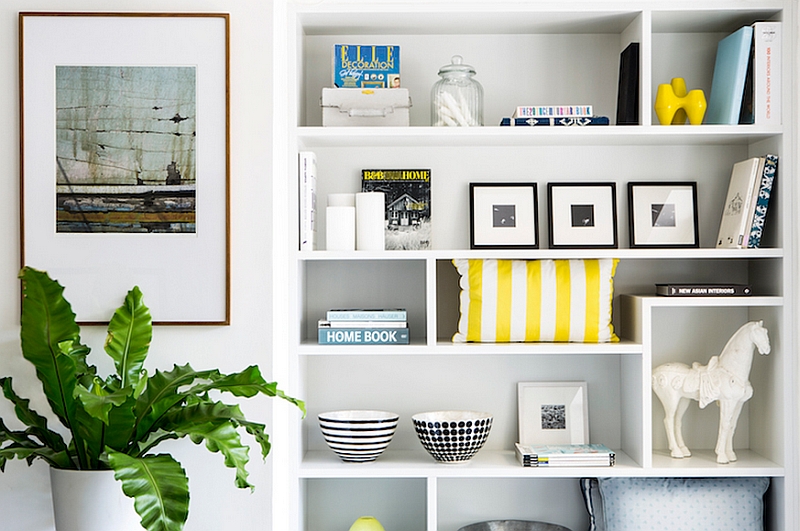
725, 379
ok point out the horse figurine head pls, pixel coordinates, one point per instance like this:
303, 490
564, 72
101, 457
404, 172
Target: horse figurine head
760, 337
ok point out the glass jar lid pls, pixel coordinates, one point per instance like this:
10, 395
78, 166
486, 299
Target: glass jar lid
457, 66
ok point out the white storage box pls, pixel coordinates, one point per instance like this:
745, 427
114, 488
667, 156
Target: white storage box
364, 107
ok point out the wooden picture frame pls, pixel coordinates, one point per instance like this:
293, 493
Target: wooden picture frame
553, 413
582, 215
663, 214
503, 216
125, 150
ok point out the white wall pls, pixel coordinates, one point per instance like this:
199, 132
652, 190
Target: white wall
215, 503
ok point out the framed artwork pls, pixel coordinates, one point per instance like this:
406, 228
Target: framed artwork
663, 214
124, 133
582, 215
503, 216
553, 413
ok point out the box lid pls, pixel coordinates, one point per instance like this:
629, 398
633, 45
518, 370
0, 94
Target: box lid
365, 102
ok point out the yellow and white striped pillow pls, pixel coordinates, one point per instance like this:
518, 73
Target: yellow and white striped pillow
536, 300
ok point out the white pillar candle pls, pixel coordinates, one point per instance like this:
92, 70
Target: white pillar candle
340, 228
370, 221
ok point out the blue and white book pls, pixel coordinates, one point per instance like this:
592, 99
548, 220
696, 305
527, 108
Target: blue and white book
730, 71
363, 336
361, 324
550, 122
356, 314
762, 202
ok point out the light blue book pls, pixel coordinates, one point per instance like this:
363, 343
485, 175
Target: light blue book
730, 71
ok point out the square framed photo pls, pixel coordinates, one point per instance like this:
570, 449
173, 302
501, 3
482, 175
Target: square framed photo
553, 413
503, 216
126, 160
582, 215
663, 214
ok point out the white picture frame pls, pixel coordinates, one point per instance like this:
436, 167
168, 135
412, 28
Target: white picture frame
553, 413
504, 216
183, 269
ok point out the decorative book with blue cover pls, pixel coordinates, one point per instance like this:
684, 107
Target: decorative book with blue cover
366, 66
764, 192
730, 71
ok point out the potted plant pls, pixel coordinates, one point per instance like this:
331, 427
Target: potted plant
115, 423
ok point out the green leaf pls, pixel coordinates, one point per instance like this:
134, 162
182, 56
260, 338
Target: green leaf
98, 402
37, 424
248, 383
130, 332
162, 394
225, 439
159, 487
51, 342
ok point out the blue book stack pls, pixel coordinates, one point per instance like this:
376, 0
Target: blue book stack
730, 72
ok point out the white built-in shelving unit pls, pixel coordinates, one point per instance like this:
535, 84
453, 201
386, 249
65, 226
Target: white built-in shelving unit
525, 52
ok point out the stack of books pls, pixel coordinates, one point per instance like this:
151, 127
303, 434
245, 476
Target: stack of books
532, 455
554, 115
364, 327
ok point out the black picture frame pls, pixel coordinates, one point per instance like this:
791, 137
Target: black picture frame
503, 216
582, 215
663, 214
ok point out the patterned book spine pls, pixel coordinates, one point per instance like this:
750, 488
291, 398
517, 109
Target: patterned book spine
764, 192
551, 122
552, 111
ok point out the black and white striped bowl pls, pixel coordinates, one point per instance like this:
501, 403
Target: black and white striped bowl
452, 436
358, 436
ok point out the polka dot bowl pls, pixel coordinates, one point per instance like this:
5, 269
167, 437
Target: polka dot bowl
452, 436
358, 436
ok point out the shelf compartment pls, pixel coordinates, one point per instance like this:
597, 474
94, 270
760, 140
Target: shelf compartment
334, 504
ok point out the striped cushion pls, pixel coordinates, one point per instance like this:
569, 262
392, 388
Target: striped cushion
536, 300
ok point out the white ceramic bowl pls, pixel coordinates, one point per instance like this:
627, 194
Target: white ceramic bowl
358, 436
452, 436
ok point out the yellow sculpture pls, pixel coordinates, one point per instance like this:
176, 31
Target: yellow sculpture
674, 105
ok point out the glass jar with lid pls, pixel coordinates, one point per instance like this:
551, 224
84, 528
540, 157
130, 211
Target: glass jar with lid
457, 98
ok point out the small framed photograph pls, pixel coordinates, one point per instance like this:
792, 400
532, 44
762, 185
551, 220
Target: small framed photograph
582, 215
553, 413
503, 216
663, 214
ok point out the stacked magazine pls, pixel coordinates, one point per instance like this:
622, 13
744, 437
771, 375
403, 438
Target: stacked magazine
531, 455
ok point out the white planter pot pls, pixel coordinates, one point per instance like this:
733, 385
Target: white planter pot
91, 500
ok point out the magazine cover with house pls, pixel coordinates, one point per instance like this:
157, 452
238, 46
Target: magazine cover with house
408, 205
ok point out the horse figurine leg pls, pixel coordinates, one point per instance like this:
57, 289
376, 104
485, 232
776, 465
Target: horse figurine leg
675, 406
683, 405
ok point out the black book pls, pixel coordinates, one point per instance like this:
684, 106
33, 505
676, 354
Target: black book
628, 90
703, 290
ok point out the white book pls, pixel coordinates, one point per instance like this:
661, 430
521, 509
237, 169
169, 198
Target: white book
308, 200
767, 73
734, 227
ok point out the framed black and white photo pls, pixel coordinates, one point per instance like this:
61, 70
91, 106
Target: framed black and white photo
503, 216
663, 214
582, 215
125, 160
553, 413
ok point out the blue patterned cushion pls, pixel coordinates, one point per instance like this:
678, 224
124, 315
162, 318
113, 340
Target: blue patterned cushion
683, 504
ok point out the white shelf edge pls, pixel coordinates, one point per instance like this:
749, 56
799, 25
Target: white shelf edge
656, 301
655, 135
622, 254
446, 348
504, 464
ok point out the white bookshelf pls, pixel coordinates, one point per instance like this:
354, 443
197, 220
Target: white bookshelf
523, 52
